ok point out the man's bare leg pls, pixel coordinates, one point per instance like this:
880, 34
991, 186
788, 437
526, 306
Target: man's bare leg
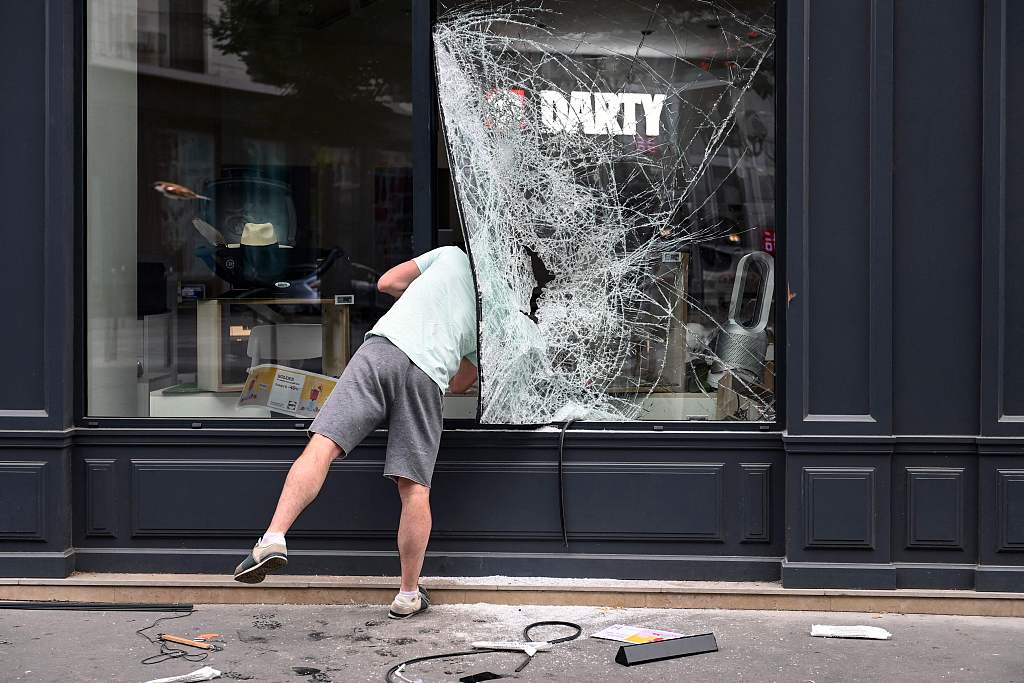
305, 478
413, 530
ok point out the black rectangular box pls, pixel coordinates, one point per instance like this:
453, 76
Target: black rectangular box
630, 655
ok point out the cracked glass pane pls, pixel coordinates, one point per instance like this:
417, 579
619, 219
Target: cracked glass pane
613, 166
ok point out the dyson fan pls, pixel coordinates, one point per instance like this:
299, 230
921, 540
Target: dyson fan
741, 348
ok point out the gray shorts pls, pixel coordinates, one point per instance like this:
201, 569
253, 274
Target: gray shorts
381, 386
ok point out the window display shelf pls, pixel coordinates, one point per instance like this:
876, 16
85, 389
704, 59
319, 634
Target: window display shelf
224, 325
185, 400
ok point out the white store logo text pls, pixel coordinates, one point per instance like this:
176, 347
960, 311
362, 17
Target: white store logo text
601, 113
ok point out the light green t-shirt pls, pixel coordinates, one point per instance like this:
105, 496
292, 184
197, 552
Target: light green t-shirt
434, 321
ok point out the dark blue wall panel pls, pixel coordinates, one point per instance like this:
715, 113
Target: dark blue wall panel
1002, 295
706, 507
839, 216
1013, 247
837, 239
22, 194
937, 209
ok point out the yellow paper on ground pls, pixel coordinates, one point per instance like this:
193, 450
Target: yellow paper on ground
286, 390
635, 634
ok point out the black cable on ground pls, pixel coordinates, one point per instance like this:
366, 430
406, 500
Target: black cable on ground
561, 482
388, 677
95, 606
426, 658
564, 639
168, 652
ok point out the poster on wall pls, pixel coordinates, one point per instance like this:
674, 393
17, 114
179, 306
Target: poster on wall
583, 138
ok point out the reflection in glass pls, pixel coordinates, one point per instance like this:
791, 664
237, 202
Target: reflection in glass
249, 178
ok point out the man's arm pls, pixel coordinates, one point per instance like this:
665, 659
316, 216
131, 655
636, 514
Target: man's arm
464, 378
398, 279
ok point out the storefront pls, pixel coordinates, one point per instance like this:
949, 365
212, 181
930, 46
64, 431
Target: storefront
745, 271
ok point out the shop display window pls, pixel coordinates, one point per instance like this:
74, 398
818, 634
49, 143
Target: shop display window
249, 177
611, 169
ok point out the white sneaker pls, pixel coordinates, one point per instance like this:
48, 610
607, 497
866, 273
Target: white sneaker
403, 608
263, 559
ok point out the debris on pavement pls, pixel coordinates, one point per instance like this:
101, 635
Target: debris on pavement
869, 632
167, 652
480, 677
530, 647
762, 645
207, 673
634, 634
631, 655
170, 638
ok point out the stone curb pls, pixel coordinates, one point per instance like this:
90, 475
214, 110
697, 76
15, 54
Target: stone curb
212, 589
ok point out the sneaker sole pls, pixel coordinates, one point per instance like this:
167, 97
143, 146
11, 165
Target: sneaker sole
396, 615
257, 573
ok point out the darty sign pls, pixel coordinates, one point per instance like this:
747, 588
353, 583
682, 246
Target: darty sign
601, 113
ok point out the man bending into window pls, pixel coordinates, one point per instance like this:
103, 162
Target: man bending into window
424, 345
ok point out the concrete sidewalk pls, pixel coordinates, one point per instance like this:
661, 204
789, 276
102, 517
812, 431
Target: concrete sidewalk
298, 643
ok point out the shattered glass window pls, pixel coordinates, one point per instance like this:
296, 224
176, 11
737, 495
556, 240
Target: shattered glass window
613, 169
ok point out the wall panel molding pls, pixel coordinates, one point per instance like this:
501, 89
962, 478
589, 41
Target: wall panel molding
101, 497
38, 183
23, 495
935, 507
681, 502
1010, 510
839, 507
938, 199
677, 502
1001, 306
756, 502
839, 217
234, 497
